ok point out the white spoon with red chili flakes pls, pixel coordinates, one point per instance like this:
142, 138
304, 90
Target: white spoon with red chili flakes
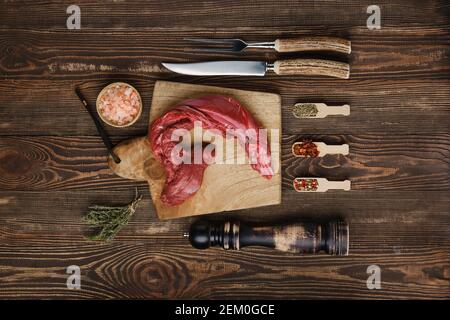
319, 185
308, 148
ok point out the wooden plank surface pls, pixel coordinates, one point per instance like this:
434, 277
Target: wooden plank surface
53, 165
399, 231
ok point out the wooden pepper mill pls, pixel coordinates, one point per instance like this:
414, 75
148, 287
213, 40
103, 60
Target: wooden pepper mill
303, 238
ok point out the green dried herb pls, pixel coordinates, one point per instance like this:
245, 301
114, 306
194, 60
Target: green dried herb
304, 110
110, 219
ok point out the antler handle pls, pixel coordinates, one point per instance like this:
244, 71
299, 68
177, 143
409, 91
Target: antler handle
303, 44
312, 67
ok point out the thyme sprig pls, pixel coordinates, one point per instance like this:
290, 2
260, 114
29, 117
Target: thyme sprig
110, 218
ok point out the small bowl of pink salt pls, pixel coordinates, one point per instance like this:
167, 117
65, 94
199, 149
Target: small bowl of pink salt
119, 104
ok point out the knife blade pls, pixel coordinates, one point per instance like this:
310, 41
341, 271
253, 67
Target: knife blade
306, 67
222, 68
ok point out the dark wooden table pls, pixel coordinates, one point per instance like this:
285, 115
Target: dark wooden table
53, 163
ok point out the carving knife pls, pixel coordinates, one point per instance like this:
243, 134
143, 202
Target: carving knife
303, 67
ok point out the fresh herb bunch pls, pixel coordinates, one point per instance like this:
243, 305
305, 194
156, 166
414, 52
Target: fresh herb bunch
110, 218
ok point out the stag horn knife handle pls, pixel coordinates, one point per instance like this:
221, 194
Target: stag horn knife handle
302, 238
312, 67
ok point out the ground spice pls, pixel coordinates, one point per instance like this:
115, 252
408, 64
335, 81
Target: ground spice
306, 184
304, 110
306, 148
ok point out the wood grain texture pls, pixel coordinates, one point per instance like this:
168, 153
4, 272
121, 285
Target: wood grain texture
312, 67
53, 165
390, 53
150, 258
213, 14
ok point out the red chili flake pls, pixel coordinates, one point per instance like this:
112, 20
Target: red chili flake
306, 148
306, 184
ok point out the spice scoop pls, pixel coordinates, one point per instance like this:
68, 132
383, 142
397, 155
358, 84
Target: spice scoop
319, 110
317, 149
319, 185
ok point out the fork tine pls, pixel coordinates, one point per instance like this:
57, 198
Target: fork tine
203, 40
214, 50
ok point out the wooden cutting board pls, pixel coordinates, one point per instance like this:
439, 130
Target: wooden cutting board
224, 187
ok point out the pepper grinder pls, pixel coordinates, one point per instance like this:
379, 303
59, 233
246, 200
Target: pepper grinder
301, 238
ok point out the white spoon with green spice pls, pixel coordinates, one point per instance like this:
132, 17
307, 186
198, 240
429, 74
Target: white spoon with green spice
318, 110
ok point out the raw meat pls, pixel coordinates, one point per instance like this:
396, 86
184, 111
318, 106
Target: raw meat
219, 113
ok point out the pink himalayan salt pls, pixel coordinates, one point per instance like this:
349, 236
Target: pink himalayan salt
119, 104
